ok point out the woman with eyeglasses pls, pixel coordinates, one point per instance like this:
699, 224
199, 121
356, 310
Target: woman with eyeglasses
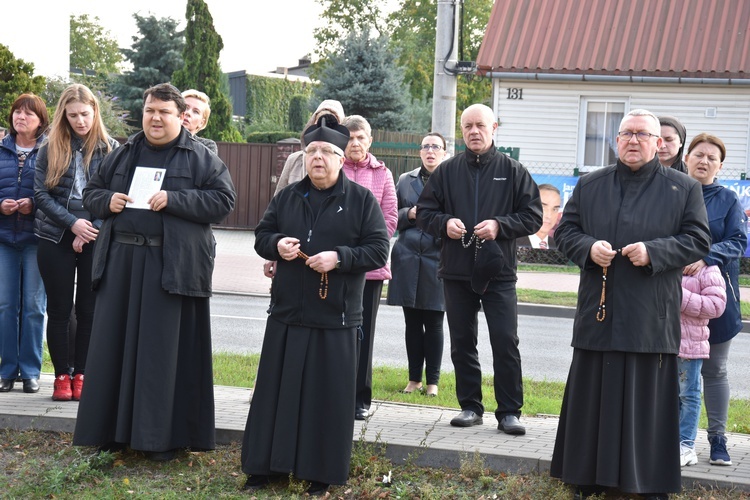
362, 167
673, 134
415, 285
728, 225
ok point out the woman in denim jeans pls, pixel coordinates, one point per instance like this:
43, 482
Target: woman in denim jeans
22, 298
728, 224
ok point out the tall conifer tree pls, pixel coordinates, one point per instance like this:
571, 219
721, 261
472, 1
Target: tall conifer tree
201, 70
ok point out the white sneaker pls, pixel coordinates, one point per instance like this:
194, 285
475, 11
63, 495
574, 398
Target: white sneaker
687, 456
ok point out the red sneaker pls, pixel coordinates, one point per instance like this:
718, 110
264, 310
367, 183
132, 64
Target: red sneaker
62, 390
76, 386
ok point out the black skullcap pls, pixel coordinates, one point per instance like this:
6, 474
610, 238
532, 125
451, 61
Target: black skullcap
328, 130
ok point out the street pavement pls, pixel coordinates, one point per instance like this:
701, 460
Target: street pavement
404, 428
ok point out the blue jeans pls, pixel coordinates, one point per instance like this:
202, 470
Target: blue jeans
690, 399
22, 306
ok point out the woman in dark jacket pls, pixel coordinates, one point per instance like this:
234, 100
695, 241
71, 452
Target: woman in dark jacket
77, 143
22, 299
728, 225
415, 285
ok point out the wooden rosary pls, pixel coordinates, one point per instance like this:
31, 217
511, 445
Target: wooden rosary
323, 290
601, 313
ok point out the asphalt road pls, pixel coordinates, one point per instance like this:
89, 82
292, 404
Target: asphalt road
238, 323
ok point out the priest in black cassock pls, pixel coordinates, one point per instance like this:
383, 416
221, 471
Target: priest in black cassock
325, 233
149, 380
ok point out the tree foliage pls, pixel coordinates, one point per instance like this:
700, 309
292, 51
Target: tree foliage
16, 77
112, 114
268, 100
413, 32
298, 113
201, 70
155, 55
344, 17
92, 49
364, 77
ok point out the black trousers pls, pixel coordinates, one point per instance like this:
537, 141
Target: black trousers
424, 343
370, 303
63, 270
500, 307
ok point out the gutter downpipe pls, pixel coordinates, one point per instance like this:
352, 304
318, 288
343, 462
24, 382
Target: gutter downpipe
504, 75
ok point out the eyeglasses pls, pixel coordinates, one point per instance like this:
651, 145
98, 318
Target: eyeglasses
323, 150
432, 147
640, 136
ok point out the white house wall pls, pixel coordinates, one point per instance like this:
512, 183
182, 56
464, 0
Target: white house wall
544, 124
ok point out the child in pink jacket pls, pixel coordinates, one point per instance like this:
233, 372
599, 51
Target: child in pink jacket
704, 297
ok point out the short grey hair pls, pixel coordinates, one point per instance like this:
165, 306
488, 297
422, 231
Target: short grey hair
644, 112
357, 122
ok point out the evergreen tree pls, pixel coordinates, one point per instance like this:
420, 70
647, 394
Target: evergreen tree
155, 55
364, 77
201, 70
16, 78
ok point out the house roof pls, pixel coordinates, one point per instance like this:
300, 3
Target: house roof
657, 38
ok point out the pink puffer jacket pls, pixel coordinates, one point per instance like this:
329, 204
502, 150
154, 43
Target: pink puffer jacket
704, 297
376, 177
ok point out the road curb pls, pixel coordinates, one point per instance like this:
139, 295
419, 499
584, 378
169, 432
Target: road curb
524, 308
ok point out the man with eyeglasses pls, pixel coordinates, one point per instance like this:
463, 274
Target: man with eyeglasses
475, 203
325, 232
631, 227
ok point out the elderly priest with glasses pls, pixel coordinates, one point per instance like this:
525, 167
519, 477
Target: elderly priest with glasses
326, 233
631, 227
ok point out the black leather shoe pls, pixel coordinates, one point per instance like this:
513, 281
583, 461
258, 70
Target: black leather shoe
582, 492
510, 424
361, 414
30, 385
161, 456
317, 489
467, 418
256, 482
6, 384
112, 447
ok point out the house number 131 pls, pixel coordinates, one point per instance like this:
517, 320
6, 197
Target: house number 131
515, 93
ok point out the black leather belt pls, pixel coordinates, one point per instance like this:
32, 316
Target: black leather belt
138, 239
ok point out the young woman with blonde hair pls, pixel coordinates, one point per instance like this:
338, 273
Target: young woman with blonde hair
76, 145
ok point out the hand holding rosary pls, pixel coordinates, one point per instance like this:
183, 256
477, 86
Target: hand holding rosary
601, 313
323, 290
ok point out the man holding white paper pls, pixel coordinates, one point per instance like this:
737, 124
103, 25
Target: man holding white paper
149, 380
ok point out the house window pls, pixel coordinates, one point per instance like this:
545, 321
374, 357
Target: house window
600, 120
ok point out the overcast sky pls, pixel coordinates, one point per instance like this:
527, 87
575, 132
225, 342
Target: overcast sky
258, 35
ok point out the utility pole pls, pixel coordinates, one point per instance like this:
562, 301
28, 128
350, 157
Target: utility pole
444, 86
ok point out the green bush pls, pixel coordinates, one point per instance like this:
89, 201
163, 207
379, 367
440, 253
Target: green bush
270, 137
268, 99
298, 112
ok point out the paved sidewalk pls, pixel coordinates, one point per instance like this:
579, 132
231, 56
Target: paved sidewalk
403, 427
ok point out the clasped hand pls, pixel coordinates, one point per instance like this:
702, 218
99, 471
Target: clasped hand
601, 253
322, 262
485, 230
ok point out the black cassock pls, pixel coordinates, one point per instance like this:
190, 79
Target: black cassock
149, 379
304, 392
